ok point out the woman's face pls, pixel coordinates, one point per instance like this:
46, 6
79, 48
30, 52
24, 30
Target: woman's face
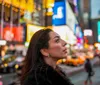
57, 47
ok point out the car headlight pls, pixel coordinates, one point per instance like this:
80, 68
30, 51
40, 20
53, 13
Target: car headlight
5, 64
2, 59
63, 60
16, 66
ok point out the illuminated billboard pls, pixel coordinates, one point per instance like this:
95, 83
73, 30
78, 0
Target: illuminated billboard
13, 34
98, 30
23, 4
48, 3
31, 29
59, 14
65, 33
71, 18
95, 9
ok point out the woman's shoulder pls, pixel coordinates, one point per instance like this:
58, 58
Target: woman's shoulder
39, 74
45, 75
30, 79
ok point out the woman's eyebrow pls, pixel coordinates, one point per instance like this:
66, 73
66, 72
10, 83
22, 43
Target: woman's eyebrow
56, 37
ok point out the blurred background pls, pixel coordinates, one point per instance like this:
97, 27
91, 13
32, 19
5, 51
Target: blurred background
76, 21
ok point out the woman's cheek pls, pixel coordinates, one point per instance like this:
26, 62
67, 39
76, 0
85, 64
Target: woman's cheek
56, 49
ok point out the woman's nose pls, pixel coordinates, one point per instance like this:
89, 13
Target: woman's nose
64, 43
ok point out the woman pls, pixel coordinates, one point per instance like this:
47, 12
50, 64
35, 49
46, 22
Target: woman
45, 48
89, 70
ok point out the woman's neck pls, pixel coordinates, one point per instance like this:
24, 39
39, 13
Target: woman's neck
50, 61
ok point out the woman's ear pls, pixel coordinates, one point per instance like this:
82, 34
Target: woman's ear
44, 52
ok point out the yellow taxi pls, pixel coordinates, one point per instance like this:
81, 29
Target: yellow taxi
74, 60
60, 61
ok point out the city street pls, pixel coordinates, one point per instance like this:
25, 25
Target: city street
8, 78
78, 79
76, 74
36, 31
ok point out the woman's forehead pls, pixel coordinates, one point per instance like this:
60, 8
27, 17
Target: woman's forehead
53, 34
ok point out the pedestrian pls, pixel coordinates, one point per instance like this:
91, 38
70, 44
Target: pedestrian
40, 67
89, 70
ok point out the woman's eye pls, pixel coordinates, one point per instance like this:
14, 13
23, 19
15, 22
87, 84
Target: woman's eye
57, 40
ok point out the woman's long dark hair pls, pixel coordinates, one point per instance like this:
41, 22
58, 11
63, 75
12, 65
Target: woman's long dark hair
33, 57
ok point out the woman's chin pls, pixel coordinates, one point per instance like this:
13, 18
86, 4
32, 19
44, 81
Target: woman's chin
64, 56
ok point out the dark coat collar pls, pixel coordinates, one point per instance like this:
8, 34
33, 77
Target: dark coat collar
46, 75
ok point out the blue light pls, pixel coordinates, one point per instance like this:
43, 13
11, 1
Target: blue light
98, 25
59, 13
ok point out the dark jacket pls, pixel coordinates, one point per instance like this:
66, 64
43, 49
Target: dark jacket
46, 75
88, 66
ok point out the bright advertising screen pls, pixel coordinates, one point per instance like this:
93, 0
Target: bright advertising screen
95, 9
59, 14
98, 30
65, 33
71, 19
31, 29
13, 34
